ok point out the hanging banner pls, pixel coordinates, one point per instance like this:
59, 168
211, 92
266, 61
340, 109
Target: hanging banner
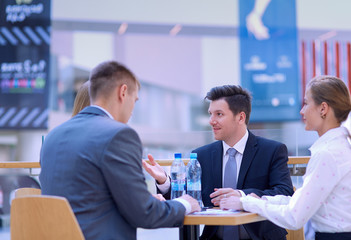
24, 63
269, 58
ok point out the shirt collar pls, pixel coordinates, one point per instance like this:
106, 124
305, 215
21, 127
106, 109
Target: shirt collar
104, 110
326, 137
239, 146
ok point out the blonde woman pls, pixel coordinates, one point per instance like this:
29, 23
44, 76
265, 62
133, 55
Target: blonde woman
82, 99
325, 196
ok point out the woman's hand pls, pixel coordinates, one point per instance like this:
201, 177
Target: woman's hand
231, 203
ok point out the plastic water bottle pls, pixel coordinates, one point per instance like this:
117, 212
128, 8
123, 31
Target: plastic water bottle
194, 178
178, 172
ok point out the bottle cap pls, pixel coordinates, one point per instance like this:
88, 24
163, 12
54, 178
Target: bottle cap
193, 155
177, 155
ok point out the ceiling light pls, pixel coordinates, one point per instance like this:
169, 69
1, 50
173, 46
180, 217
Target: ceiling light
122, 28
175, 30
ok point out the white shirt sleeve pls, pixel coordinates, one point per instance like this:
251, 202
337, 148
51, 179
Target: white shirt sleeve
294, 212
164, 188
185, 203
277, 199
242, 193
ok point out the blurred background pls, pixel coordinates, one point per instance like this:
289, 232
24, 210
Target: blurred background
178, 50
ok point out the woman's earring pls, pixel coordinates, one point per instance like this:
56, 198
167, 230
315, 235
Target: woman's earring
323, 116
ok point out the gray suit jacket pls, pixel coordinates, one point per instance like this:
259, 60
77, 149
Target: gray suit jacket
95, 162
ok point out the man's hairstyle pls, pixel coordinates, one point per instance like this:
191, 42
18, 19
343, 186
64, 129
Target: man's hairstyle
238, 99
105, 77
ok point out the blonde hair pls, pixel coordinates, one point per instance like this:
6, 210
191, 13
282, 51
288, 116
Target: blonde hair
333, 91
82, 99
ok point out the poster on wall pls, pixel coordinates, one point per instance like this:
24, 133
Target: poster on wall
24, 63
269, 58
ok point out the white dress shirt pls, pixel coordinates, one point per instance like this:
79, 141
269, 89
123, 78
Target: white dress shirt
240, 148
325, 196
104, 110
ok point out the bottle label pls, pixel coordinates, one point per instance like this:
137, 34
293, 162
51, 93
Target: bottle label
178, 186
194, 186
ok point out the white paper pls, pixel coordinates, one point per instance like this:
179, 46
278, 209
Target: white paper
212, 211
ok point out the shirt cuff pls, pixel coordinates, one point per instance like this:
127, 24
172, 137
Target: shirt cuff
242, 193
252, 204
185, 203
164, 188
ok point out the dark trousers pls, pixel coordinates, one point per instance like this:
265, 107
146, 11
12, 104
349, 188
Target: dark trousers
333, 236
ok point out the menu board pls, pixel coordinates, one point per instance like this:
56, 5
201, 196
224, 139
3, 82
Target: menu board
24, 63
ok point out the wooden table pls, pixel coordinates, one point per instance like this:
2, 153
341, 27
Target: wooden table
190, 231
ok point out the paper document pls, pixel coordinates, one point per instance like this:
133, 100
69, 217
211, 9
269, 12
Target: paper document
211, 211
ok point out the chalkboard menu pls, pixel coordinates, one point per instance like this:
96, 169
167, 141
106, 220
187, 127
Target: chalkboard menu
24, 63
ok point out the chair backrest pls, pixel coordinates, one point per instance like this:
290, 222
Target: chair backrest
24, 192
295, 234
43, 217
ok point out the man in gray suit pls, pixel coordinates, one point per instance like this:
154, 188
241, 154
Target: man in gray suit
94, 160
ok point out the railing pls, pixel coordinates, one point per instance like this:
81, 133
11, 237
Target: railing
292, 161
29, 165
32, 165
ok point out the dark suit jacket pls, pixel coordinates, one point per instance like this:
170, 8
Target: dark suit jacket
95, 162
263, 171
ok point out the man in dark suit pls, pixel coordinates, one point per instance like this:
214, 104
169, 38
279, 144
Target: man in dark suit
94, 160
261, 164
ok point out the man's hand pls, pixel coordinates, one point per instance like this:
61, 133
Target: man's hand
155, 170
159, 197
193, 202
231, 203
221, 193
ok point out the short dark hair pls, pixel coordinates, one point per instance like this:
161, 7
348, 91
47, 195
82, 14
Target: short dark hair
238, 99
107, 76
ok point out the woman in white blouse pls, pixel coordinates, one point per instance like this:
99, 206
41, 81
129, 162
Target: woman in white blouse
325, 196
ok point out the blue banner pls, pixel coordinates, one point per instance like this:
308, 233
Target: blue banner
269, 58
24, 63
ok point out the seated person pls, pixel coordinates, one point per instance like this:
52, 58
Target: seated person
325, 196
258, 165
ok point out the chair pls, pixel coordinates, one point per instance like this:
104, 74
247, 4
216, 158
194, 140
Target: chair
43, 217
295, 234
9, 183
24, 192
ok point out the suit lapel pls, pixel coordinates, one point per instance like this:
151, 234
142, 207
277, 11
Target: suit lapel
216, 162
249, 154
